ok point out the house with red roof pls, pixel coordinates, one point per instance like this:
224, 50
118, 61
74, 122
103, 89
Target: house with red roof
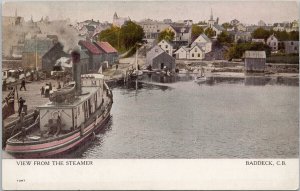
111, 54
96, 55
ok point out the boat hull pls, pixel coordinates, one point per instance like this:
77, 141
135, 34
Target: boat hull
59, 146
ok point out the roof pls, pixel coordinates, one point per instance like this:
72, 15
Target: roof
154, 52
106, 47
184, 48
220, 28
170, 43
199, 46
39, 46
178, 28
90, 47
90, 28
255, 54
205, 37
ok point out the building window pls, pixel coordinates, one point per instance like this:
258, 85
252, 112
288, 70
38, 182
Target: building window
195, 49
167, 51
166, 46
292, 43
199, 55
160, 46
193, 55
274, 43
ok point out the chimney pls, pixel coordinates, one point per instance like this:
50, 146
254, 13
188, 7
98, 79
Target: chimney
76, 70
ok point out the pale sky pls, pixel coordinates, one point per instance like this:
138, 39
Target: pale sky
249, 12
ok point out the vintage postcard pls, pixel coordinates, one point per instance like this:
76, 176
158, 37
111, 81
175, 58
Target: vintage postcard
185, 95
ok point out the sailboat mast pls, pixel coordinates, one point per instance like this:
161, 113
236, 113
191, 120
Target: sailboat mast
36, 67
136, 62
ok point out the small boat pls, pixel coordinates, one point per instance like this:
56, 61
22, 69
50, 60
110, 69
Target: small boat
63, 124
200, 77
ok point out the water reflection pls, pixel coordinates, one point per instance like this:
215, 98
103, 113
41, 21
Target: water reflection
256, 80
251, 81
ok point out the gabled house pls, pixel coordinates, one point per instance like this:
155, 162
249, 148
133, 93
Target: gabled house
87, 31
96, 55
182, 53
166, 46
272, 42
182, 33
158, 59
204, 42
196, 52
110, 53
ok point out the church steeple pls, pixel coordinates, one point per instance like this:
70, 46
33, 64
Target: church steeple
211, 14
115, 16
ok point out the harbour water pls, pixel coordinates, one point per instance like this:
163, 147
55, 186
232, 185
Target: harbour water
256, 117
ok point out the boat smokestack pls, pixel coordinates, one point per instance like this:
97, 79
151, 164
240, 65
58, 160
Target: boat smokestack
76, 70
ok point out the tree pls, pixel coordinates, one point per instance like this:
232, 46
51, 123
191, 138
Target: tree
123, 38
112, 36
131, 34
294, 35
166, 35
224, 37
196, 31
237, 50
209, 32
226, 25
261, 33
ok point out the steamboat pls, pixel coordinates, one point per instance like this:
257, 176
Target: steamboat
75, 113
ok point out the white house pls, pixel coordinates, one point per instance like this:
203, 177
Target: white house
182, 53
272, 42
166, 46
203, 39
196, 52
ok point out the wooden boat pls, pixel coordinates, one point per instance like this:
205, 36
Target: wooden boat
60, 127
64, 125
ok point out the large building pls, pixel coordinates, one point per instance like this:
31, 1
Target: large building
153, 28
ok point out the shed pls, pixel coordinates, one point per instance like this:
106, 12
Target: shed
255, 61
159, 59
111, 54
96, 55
